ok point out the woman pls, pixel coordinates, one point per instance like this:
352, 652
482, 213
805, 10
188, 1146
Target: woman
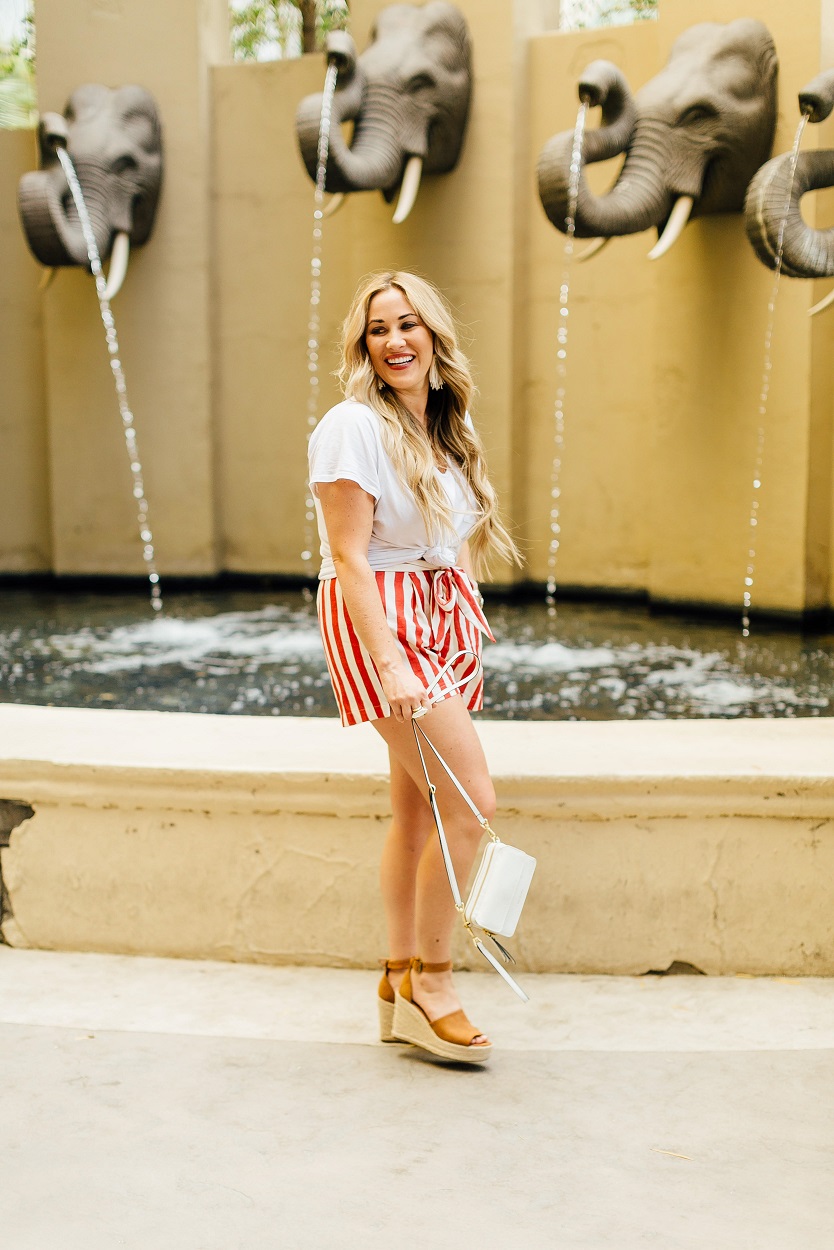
406, 515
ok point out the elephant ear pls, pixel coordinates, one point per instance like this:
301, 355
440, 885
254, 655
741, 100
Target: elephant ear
448, 48
750, 101
139, 122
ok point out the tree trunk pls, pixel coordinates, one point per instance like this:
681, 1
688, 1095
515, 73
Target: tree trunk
308, 25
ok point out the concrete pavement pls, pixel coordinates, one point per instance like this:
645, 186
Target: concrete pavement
193, 1106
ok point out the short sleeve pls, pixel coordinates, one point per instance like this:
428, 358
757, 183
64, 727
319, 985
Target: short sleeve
346, 444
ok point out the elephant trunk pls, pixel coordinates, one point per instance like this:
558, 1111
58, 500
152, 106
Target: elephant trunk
772, 201
51, 220
374, 161
639, 199
817, 98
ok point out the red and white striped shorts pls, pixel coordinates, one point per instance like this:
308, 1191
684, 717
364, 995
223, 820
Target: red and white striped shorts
432, 613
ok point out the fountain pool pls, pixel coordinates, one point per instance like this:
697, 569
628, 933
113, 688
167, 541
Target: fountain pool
254, 652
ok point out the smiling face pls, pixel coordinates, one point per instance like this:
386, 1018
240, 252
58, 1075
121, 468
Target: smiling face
399, 345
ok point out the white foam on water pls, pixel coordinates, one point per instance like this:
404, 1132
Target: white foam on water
169, 640
553, 656
688, 667
723, 693
704, 680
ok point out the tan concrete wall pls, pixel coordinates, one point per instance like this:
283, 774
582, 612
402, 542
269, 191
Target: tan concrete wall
162, 314
665, 359
250, 839
24, 461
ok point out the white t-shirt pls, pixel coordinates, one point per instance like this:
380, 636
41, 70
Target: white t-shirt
347, 443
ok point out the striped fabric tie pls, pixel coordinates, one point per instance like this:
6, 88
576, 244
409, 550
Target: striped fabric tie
449, 587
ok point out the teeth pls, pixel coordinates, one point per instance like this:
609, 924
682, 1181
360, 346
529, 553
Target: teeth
399, 360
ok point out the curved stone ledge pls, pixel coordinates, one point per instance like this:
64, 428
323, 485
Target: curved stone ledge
248, 838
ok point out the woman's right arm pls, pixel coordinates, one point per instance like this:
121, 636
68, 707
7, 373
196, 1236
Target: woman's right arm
348, 517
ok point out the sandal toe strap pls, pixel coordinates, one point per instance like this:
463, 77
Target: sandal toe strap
455, 1028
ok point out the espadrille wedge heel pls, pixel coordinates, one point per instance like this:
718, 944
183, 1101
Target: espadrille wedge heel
450, 1037
385, 998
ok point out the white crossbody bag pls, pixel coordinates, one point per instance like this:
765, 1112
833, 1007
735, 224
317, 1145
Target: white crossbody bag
504, 874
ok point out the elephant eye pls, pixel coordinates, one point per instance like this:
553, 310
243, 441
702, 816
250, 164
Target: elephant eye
124, 163
421, 82
697, 113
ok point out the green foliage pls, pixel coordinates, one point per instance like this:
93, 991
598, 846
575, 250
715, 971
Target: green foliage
268, 29
580, 14
18, 101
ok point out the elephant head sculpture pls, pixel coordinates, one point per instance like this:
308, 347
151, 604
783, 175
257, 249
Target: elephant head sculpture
408, 97
114, 140
772, 211
693, 136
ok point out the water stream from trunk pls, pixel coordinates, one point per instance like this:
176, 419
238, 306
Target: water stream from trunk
125, 411
562, 359
314, 319
764, 394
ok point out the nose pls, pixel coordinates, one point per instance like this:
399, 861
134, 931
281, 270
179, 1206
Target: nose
396, 338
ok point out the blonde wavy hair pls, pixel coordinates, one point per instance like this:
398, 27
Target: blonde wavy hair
412, 454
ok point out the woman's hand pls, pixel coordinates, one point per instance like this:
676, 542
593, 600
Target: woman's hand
403, 690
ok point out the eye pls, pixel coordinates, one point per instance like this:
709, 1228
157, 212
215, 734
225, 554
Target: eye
421, 82
697, 113
409, 325
124, 163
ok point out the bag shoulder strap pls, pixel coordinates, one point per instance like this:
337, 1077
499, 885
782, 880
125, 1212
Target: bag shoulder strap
419, 732
481, 819
444, 845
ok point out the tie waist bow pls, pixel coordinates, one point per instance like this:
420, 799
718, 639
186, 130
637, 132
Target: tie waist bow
451, 588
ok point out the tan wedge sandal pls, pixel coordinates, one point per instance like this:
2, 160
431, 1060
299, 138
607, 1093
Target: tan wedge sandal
450, 1037
385, 998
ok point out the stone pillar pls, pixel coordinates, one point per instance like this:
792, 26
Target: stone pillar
709, 333
163, 313
610, 409
666, 361
25, 538
467, 233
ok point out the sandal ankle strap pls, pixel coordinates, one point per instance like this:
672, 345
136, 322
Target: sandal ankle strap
419, 965
394, 965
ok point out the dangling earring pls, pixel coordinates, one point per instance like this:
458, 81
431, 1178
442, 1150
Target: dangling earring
435, 380
380, 385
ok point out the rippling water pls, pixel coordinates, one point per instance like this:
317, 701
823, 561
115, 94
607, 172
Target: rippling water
251, 652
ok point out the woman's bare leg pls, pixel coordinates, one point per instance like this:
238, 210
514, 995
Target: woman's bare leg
450, 728
409, 831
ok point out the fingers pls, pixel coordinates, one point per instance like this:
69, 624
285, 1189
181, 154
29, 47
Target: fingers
404, 704
418, 710
411, 708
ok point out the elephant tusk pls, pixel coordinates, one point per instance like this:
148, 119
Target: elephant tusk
409, 188
822, 305
593, 249
678, 218
46, 279
118, 265
333, 204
